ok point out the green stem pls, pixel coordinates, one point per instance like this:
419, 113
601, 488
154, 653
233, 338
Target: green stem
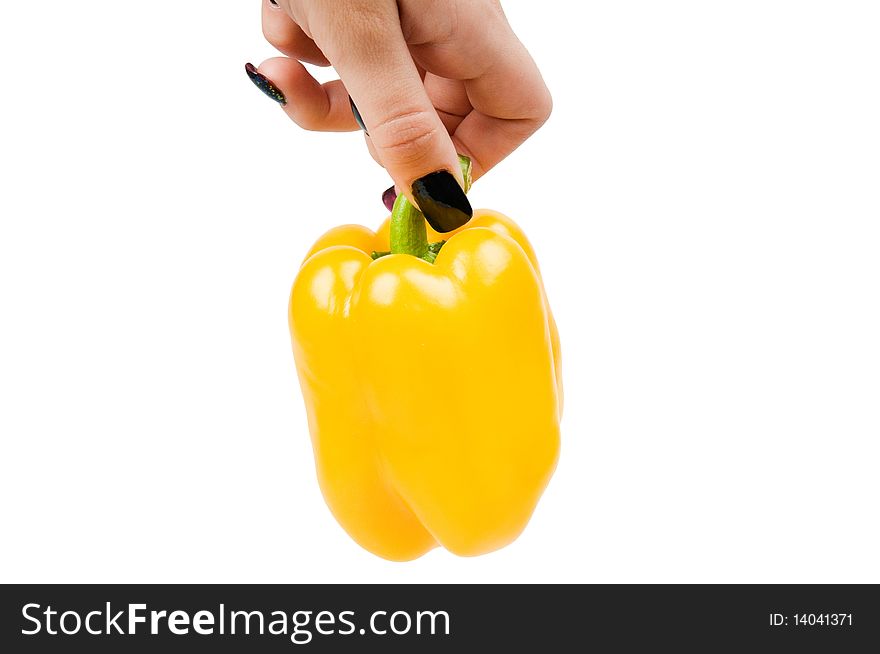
433, 251
408, 232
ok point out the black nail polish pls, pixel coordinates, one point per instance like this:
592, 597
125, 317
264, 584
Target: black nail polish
442, 201
265, 84
357, 116
273, 3
388, 198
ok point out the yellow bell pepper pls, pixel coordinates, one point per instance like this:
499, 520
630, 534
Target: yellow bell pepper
431, 383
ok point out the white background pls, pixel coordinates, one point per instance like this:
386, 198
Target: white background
705, 201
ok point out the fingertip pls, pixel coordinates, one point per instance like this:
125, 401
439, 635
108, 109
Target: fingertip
311, 105
442, 200
265, 84
388, 197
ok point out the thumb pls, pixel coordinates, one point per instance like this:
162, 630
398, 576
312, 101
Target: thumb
407, 135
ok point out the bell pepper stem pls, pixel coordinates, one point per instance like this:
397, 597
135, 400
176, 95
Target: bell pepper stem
408, 232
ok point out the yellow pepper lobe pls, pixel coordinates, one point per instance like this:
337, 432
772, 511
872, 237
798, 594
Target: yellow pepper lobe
432, 390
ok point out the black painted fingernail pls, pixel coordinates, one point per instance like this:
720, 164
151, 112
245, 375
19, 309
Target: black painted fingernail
442, 201
388, 198
273, 3
357, 116
264, 84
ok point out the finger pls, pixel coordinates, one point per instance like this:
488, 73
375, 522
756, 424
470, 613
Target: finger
487, 141
312, 106
510, 102
287, 37
450, 100
503, 85
364, 42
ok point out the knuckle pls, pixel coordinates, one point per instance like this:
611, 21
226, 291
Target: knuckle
404, 137
538, 109
364, 25
545, 106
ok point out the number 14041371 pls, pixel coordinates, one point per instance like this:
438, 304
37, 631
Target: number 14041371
811, 620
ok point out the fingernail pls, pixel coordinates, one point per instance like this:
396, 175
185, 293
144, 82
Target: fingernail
357, 116
442, 201
264, 84
388, 198
273, 3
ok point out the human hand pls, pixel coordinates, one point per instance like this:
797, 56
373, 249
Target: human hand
430, 77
